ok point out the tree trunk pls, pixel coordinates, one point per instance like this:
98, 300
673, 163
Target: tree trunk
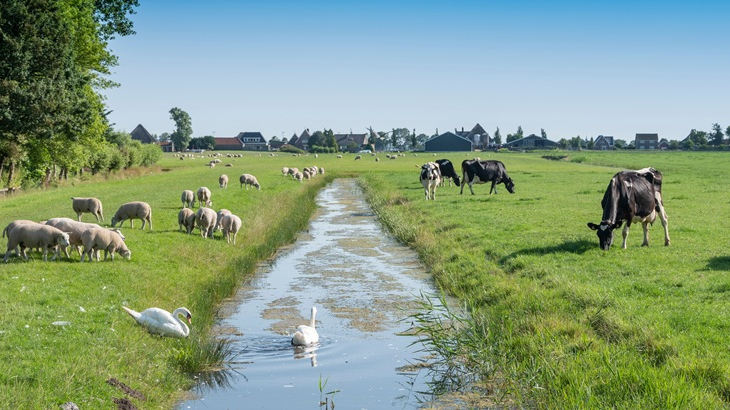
2, 167
11, 173
47, 180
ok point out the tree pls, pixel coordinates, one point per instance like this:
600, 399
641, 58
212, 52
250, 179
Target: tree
183, 128
543, 133
330, 140
716, 135
696, 139
497, 137
619, 144
316, 140
727, 131
207, 143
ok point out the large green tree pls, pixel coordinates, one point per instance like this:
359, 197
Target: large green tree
183, 129
716, 135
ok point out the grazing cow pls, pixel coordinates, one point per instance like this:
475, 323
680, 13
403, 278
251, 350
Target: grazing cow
631, 196
475, 171
430, 178
447, 171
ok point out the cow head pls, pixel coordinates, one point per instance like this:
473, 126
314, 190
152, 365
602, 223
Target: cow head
605, 233
509, 185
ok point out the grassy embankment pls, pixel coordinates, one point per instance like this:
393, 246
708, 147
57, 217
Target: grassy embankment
564, 324
561, 323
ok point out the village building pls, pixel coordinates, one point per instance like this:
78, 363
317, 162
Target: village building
646, 141
228, 144
351, 142
603, 142
253, 141
531, 141
447, 141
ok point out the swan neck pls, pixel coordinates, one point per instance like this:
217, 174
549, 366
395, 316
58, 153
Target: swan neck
185, 328
312, 321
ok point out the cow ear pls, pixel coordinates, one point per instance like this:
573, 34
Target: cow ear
593, 226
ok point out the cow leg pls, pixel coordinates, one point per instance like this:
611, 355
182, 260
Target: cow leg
470, 187
645, 226
493, 188
625, 234
663, 217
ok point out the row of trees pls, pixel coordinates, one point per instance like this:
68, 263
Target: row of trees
54, 59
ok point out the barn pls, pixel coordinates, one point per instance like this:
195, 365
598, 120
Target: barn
447, 141
531, 141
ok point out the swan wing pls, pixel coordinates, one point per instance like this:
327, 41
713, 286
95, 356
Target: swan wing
161, 322
305, 335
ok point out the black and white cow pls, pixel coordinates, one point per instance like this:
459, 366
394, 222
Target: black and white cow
631, 196
430, 178
448, 172
481, 172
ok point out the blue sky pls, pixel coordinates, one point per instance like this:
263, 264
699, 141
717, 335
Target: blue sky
573, 68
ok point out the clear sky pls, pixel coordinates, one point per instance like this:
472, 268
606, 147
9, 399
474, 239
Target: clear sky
571, 67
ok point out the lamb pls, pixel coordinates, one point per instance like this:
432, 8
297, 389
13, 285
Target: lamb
220, 215
36, 236
96, 239
89, 205
223, 181
75, 229
204, 197
131, 211
12, 225
231, 225
186, 218
188, 198
206, 219
248, 179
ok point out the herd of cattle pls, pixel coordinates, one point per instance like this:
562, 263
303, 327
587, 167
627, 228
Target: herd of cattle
631, 196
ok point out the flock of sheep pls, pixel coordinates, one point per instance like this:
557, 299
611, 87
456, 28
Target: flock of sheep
206, 218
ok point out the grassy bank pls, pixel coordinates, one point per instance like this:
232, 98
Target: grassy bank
563, 324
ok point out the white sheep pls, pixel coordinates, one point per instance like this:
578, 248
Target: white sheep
321, 171
96, 239
231, 225
188, 198
221, 213
186, 218
12, 225
223, 181
88, 205
358, 157
285, 170
306, 174
75, 229
131, 211
248, 179
36, 236
206, 219
204, 196
298, 176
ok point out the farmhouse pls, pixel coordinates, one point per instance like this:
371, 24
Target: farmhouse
141, 134
228, 144
302, 141
646, 141
531, 141
478, 136
253, 141
447, 141
351, 142
603, 142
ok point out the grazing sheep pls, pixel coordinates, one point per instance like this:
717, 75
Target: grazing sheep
88, 205
12, 225
358, 157
131, 211
231, 225
339, 156
36, 236
96, 239
293, 171
75, 229
306, 174
377, 159
298, 176
248, 179
285, 170
186, 218
221, 213
188, 198
206, 219
223, 181
204, 196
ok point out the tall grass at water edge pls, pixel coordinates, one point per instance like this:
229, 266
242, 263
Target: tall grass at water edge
564, 324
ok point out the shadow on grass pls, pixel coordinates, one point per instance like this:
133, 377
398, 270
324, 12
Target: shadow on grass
576, 247
718, 263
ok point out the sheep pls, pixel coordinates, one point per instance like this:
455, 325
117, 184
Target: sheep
231, 225
90, 205
306, 174
293, 171
36, 236
186, 218
204, 196
188, 198
223, 181
221, 213
206, 219
298, 176
358, 157
285, 170
377, 159
96, 239
12, 225
321, 171
75, 229
131, 211
248, 179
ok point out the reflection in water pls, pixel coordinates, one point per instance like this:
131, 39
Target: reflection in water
304, 352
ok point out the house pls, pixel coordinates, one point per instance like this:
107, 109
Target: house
141, 134
358, 141
663, 144
253, 141
603, 142
228, 144
276, 145
301, 142
447, 141
646, 141
167, 146
531, 141
478, 136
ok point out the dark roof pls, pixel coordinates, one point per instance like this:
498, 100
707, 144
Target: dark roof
139, 133
253, 137
524, 142
647, 137
476, 130
345, 139
448, 133
293, 140
607, 138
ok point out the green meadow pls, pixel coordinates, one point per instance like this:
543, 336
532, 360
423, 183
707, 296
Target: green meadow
556, 322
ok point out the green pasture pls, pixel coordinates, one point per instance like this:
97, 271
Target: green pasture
563, 324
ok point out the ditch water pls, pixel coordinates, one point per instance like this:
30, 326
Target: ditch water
363, 283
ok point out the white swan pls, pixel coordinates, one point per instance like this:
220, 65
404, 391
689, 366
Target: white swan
306, 335
161, 322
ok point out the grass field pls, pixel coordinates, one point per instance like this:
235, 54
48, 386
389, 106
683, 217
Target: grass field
563, 324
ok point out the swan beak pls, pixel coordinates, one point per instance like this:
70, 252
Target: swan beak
190, 319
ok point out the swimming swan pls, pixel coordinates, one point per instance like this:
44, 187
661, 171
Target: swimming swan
306, 335
161, 322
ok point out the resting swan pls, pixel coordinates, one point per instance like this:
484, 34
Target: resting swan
306, 335
161, 322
